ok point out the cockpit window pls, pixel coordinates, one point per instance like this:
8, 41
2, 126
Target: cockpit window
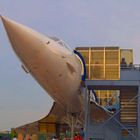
54, 38
59, 41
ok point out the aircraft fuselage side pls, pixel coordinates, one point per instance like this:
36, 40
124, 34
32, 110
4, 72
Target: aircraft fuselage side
55, 68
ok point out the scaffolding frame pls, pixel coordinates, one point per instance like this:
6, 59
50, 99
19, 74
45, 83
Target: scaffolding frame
86, 92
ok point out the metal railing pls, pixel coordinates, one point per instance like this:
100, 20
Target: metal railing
130, 67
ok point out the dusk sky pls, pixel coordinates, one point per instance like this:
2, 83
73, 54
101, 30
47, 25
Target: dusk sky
78, 23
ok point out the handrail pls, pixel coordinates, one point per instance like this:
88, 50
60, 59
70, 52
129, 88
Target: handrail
130, 67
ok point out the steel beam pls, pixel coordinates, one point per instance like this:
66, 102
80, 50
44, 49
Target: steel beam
87, 98
138, 107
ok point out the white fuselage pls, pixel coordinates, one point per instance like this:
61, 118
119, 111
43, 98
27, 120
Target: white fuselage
56, 68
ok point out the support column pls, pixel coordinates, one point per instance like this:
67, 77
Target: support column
138, 108
86, 96
72, 128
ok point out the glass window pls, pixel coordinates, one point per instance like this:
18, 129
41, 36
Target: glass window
126, 59
85, 56
103, 62
97, 57
97, 72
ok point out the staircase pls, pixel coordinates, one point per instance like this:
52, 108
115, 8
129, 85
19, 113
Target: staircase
128, 102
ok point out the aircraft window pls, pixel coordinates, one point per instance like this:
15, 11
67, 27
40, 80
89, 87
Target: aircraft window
59, 41
54, 38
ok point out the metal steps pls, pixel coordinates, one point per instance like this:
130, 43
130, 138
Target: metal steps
128, 103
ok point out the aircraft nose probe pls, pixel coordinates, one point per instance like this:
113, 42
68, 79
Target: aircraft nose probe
3, 19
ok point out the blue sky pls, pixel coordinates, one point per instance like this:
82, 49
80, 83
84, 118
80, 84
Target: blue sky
78, 23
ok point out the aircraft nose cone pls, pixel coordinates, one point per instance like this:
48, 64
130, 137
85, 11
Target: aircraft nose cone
25, 41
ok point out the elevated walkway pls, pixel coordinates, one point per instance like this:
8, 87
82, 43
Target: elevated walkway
128, 77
